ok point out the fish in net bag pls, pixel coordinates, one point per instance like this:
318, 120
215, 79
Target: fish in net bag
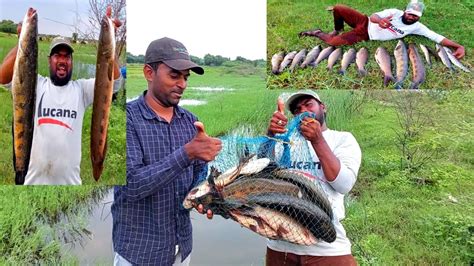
269, 185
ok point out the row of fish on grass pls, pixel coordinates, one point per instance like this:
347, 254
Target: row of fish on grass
402, 55
24, 79
277, 203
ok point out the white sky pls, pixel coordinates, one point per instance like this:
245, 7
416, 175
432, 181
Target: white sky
227, 28
61, 11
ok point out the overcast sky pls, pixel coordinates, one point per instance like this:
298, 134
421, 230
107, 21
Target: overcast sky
227, 28
61, 11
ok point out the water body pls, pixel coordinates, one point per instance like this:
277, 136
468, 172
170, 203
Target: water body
184, 102
210, 89
216, 242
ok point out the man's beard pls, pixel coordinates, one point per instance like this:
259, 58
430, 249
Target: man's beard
59, 81
406, 22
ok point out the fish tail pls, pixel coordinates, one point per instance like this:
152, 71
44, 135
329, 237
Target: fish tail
362, 72
387, 79
413, 86
398, 85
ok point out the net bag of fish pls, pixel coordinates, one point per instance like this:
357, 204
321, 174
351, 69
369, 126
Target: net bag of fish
266, 185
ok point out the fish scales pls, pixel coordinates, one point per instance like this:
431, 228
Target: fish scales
299, 57
347, 59
401, 60
334, 57
323, 55
276, 61
25, 72
276, 225
103, 90
383, 60
302, 211
417, 67
287, 61
311, 56
455, 61
362, 57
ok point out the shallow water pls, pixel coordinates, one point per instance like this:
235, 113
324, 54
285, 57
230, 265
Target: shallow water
216, 242
210, 89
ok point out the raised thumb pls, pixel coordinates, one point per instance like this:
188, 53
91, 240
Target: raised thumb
281, 106
200, 128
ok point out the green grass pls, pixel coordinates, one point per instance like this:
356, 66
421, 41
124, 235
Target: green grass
285, 19
84, 59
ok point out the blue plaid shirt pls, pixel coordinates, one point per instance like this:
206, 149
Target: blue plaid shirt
148, 217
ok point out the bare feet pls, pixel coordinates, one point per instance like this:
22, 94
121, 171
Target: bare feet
334, 33
314, 32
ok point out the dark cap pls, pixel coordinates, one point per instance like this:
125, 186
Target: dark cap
172, 53
60, 41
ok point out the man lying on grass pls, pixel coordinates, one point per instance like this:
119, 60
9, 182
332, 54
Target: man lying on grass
388, 24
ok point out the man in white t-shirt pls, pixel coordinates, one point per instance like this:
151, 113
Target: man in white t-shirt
335, 161
60, 105
388, 24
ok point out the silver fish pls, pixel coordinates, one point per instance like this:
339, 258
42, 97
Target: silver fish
444, 57
274, 225
276, 61
299, 57
455, 61
334, 57
302, 211
417, 67
25, 73
323, 55
361, 59
383, 60
347, 59
287, 61
401, 60
312, 55
426, 53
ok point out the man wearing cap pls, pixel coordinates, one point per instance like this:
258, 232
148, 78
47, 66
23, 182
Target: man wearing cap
388, 24
167, 155
60, 105
335, 159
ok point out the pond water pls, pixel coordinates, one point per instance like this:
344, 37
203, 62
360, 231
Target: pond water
216, 242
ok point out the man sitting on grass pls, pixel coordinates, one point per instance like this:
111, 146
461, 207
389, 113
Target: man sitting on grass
388, 24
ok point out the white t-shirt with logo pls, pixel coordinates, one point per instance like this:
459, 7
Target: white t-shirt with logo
347, 150
56, 149
398, 29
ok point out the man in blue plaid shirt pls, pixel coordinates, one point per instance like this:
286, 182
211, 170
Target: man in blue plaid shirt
167, 154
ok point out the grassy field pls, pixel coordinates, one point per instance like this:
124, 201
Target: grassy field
84, 63
412, 216
285, 19
245, 86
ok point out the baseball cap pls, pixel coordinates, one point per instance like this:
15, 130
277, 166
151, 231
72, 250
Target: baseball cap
295, 96
172, 53
415, 8
57, 41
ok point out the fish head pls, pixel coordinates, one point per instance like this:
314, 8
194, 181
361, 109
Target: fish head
197, 194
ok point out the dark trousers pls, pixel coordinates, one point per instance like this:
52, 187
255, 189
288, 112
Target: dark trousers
276, 258
358, 21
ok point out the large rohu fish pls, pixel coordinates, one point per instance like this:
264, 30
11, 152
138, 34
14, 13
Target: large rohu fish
102, 95
24, 94
277, 203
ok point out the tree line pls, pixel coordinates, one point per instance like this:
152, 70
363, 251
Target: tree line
208, 60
